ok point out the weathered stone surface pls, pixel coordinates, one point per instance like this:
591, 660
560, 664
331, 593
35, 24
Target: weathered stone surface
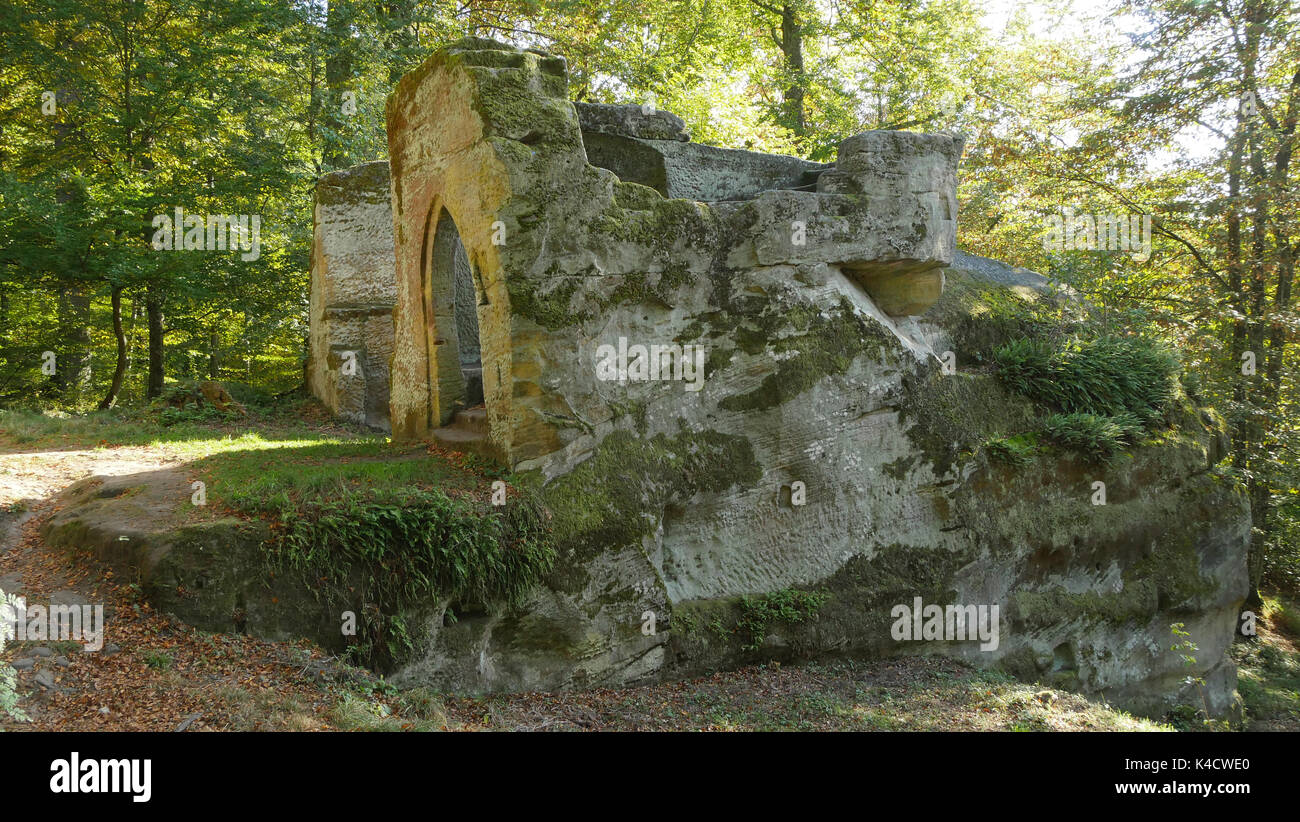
819, 372
352, 294
212, 574
819, 448
698, 172
631, 121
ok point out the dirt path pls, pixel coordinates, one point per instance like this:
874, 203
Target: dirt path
152, 673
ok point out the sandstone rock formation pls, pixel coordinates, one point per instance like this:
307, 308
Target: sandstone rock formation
797, 463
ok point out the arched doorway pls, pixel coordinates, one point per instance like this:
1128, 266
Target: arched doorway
456, 366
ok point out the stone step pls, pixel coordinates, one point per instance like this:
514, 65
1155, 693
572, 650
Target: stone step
471, 419
451, 436
810, 176
454, 438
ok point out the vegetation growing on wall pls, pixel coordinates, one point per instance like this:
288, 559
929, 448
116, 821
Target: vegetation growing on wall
386, 531
402, 550
1107, 391
1106, 376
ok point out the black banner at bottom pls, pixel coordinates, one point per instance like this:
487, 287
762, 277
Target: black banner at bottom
330, 773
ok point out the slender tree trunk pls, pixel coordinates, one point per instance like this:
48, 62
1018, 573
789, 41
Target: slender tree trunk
1259, 481
399, 39
119, 373
154, 308
72, 365
338, 76
214, 357
792, 50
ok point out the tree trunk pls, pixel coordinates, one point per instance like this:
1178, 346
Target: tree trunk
399, 40
154, 308
338, 75
72, 365
214, 357
792, 50
119, 373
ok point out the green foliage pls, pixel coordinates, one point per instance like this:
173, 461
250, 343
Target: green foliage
1108, 390
158, 660
403, 549
788, 605
1096, 437
1108, 376
199, 414
197, 433
1282, 560
1017, 451
1186, 648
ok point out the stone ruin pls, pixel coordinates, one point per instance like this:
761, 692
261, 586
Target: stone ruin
352, 293
505, 290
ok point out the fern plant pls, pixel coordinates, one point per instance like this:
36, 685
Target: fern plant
8, 676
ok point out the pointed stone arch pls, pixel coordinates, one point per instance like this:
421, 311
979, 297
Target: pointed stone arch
452, 295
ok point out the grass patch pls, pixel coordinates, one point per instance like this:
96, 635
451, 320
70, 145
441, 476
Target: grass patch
1268, 668
53, 430
1107, 392
1098, 438
273, 477
158, 660
1108, 376
420, 711
1284, 614
1018, 450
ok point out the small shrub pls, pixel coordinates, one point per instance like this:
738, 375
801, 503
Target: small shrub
1017, 450
207, 413
1097, 438
1108, 376
248, 395
157, 660
789, 606
1107, 392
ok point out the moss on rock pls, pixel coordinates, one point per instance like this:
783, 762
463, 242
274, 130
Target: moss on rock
617, 496
829, 346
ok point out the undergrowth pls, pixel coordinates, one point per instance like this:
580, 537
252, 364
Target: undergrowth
398, 550
1096, 437
788, 605
1106, 392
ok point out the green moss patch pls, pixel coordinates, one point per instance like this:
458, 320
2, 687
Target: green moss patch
1166, 580
745, 621
829, 346
618, 495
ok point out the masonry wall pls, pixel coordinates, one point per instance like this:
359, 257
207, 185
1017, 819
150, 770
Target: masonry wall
352, 294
